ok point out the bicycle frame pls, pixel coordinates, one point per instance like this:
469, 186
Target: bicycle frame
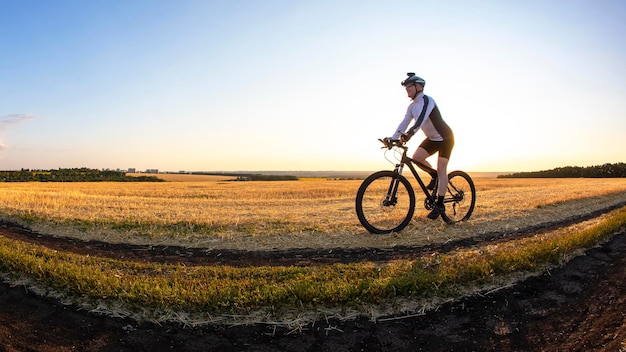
405, 160
383, 206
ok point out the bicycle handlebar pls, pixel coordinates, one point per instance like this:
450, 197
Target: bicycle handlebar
390, 143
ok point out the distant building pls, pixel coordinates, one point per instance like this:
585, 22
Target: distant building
131, 170
152, 171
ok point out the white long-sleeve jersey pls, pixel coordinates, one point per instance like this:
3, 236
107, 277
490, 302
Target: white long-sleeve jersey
433, 125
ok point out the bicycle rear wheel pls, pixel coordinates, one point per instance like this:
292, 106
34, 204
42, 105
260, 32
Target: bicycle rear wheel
460, 197
385, 202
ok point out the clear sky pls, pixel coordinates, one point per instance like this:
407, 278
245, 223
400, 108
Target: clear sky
307, 85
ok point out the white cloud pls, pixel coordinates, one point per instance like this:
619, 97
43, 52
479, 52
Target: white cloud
10, 120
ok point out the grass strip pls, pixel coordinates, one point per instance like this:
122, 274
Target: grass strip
230, 290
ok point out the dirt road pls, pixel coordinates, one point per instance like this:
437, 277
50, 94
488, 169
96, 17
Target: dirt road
581, 307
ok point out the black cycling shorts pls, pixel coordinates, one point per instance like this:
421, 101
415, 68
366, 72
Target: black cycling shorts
444, 147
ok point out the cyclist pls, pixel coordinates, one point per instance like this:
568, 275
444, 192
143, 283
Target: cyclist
439, 136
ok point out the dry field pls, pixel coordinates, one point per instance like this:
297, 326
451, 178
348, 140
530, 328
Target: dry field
314, 213
560, 309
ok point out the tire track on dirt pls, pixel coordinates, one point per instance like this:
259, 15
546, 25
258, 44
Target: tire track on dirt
296, 256
576, 307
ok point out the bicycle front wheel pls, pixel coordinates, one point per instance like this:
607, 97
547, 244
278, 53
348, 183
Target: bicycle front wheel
460, 197
385, 202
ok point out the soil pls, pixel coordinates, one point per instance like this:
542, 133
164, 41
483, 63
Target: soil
579, 307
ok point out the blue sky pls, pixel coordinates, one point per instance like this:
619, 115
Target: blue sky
307, 85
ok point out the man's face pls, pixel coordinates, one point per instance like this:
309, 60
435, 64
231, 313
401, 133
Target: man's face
411, 90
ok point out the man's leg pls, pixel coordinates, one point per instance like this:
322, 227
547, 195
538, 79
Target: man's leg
442, 173
420, 156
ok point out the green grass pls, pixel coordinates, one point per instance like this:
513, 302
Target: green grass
230, 290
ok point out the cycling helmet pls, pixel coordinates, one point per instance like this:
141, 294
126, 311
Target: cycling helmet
413, 79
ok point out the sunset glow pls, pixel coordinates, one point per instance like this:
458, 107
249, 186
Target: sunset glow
301, 85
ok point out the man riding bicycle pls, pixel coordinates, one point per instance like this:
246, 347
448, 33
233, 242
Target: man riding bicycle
439, 136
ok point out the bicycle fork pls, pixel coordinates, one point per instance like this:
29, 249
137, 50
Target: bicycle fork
390, 198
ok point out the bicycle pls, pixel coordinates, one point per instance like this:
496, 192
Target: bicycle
385, 201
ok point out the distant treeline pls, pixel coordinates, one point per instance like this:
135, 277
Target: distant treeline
71, 175
251, 177
259, 177
598, 171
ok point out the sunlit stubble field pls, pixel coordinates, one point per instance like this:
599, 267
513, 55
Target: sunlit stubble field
315, 213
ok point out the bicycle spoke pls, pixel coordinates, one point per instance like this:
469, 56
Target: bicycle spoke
385, 203
460, 197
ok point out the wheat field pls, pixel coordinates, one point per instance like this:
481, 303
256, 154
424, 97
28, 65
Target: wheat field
314, 213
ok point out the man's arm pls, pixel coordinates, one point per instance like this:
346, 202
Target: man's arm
403, 125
